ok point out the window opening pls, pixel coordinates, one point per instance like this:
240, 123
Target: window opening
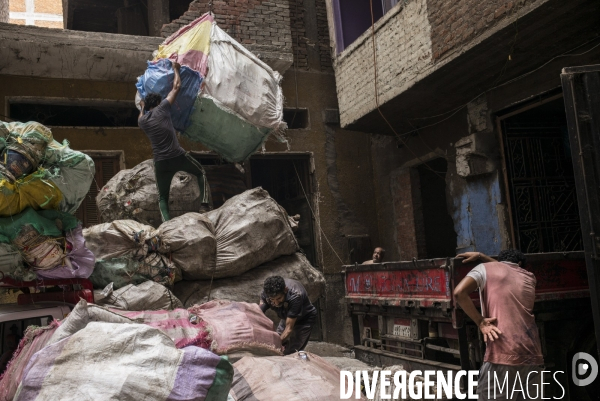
296, 118
75, 115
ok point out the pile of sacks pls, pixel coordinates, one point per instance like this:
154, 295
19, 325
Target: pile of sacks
97, 353
224, 254
42, 183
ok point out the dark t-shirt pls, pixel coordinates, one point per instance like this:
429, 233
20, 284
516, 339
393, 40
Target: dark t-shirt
158, 127
295, 305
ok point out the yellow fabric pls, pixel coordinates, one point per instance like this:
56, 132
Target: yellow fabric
30, 191
197, 38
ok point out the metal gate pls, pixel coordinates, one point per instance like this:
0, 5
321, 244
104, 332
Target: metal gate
581, 87
540, 179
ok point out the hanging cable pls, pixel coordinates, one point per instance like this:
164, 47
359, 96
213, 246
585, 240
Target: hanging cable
315, 217
377, 97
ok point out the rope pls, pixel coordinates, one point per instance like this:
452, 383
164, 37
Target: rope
315, 217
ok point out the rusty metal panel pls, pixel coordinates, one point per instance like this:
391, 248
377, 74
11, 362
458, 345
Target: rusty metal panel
581, 87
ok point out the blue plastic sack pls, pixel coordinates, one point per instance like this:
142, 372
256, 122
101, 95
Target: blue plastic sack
159, 77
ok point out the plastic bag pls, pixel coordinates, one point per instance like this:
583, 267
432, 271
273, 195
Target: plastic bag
158, 78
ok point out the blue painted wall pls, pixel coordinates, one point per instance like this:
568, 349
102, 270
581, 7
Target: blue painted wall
475, 214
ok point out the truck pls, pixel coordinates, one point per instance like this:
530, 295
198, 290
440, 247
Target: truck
404, 313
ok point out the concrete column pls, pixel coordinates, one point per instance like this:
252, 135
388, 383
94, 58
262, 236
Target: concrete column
4, 10
158, 15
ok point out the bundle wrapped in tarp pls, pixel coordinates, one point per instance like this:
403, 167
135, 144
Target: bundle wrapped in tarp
191, 243
248, 230
109, 361
34, 339
184, 246
240, 102
158, 78
51, 244
146, 296
124, 271
248, 286
132, 194
38, 172
126, 253
289, 377
238, 329
251, 229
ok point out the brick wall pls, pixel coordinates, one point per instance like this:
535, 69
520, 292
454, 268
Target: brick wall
408, 214
265, 25
412, 40
455, 23
45, 13
403, 43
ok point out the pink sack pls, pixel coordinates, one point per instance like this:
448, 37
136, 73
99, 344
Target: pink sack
34, 340
238, 329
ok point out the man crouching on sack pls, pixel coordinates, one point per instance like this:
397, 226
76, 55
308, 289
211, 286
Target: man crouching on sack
289, 300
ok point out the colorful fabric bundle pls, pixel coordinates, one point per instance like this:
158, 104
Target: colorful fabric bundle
38, 172
240, 102
50, 243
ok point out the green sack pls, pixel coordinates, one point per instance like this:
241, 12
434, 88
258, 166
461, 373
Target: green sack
44, 221
224, 132
72, 172
124, 271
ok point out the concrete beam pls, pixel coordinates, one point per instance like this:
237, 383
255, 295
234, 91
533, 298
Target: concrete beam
158, 15
56, 53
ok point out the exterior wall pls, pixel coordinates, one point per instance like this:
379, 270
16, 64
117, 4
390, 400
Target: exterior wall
44, 13
477, 203
403, 43
413, 40
456, 23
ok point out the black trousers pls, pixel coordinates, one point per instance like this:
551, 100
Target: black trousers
300, 335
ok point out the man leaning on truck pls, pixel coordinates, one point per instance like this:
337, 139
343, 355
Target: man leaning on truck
509, 330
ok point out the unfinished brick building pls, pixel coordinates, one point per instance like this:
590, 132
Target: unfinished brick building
80, 82
464, 104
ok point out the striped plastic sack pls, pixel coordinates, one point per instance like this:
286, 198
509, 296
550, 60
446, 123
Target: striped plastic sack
110, 361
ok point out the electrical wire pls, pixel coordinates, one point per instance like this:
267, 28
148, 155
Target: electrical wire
315, 217
377, 98
454, 111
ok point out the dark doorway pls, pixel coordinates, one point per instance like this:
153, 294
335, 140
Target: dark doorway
440, 237
540, 179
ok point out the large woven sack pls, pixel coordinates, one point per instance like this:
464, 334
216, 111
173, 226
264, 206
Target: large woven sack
238, 329
35, 339
146, 296
132, 194
191, 243
289, 378
248, 286
124, 271
112, 361
251, 229
121, 238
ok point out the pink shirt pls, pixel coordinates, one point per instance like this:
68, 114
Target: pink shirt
509, 295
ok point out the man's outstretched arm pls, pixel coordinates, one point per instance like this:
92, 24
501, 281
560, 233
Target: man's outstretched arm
176, 84
461, 297
142, 105
475, 257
